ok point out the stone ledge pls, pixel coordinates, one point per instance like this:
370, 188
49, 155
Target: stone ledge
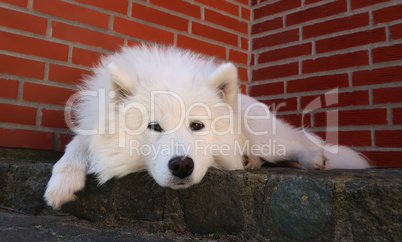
279, 203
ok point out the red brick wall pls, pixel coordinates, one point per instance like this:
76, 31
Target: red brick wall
46, 45
301, 49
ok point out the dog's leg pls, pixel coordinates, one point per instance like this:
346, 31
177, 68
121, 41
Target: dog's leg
69, 173
309, 150
273, 140
229, 160
308, 156
284, 143
251, 162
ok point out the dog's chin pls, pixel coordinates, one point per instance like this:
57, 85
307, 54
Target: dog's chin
179, 186
177, 183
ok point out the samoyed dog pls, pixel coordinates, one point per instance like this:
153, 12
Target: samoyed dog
175, 113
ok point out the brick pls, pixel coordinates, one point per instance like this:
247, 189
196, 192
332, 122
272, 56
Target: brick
267, 25
225, 21
9, 88
355, 138
336, 25
86, 36
243, 89
348, 138
277, 71
384, 158
351, 40
377, 76
22, 3
53, 118
353, 98
119, 6
312, 102
246, 13
12, 65
312, 1
321, 11
238, 56
387, 14
285, 53
267, 89
276, 7
159, 17
364, 3
133, 43
66, 74
214, 34
397, 116
222, 5
244, 43
243, 73
243, 1
327, 119
72, 12
179, 6
65, 139
18, 20
341, 61
318, 83
388, 138
387, 95
276, 39
344, 99
85, 57
142, 31
33, 46
353, 117
396, 31
387, 53
17, 114
201, 46
46, 94
18, 138
297, 120
281, 104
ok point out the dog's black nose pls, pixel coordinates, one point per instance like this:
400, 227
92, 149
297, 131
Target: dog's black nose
181, 166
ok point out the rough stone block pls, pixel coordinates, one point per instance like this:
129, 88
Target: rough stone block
269, 203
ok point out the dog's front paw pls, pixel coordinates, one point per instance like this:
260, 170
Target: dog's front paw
63, 185
312, 160
322, 164
251, 162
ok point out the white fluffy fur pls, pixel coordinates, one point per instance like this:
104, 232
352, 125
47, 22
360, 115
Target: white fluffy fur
133, 74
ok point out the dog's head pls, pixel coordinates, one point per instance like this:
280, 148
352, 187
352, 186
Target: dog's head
185, 114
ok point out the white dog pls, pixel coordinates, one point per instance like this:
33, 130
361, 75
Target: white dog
174, 114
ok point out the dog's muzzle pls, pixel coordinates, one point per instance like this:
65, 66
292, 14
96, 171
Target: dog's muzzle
181, 166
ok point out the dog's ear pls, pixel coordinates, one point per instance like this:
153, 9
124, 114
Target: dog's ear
224, 80
120, 83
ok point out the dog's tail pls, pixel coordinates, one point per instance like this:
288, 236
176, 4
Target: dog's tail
342, 157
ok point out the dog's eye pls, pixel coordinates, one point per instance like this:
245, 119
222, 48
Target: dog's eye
194, 126
155, 127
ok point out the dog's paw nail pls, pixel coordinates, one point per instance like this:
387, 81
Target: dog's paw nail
322, 166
